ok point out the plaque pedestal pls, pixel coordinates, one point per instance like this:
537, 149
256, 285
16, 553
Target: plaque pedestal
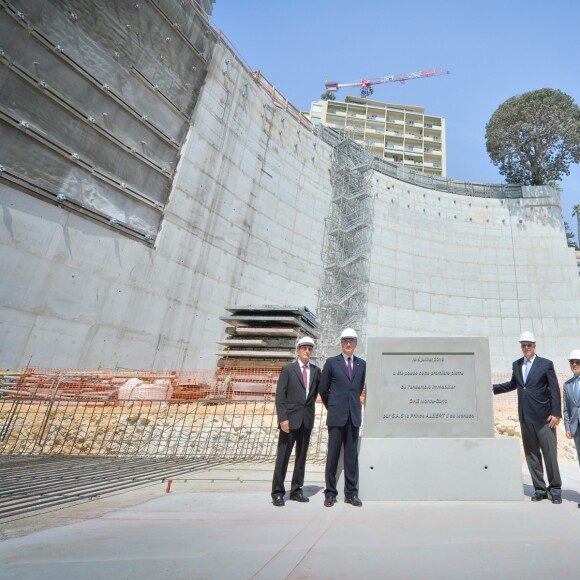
427, 469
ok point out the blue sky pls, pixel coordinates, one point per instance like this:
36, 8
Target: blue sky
494, 50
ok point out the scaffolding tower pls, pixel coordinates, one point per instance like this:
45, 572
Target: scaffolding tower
347, 245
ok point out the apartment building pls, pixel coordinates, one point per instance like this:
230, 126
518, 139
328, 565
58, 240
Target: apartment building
398, 133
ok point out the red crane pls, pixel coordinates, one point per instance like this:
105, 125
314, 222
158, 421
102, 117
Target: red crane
366, 86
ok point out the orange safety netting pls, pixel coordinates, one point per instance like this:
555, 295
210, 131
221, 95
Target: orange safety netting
216, 385
126, 385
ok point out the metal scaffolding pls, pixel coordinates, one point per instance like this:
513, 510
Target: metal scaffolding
347, 245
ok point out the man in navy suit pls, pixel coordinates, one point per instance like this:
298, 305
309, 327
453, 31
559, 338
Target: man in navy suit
296, 394
341, 386
539, 408
572, 402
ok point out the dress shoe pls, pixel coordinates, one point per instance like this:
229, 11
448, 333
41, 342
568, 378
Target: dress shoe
278, 500
539, 496
556, 500
299, 497
354, 500
329, 501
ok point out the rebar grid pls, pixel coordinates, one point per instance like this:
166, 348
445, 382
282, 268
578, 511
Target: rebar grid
228, 426
45, 483
204, 430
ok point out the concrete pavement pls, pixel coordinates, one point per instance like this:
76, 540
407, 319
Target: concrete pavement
221, 524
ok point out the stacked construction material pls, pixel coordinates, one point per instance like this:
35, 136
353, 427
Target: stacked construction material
265, 336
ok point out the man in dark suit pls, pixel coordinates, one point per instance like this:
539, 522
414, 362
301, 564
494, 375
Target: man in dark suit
572, 402
539, 409
341, 386
296, 394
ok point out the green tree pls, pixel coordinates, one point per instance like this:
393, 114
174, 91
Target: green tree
328, 96
534, 138
569, 234
576, 212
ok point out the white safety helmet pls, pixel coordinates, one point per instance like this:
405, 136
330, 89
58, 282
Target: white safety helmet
349, 333
527, 336
574, 355
305, 340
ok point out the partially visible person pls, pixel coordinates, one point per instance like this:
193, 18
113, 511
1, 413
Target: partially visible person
341, 386
572, 402
540, 410
296, 394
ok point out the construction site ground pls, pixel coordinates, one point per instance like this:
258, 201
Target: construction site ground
220, 523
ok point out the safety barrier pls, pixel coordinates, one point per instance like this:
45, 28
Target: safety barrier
207, 413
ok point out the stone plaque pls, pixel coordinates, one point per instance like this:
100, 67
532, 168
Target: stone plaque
428, 387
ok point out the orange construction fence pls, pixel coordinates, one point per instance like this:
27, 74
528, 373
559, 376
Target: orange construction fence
112, 386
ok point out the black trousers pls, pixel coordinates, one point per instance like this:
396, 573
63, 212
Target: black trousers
286, 443
540, 441
345, 436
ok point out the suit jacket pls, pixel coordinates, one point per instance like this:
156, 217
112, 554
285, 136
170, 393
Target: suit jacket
540, 396
571, 407
291, 401
341, 395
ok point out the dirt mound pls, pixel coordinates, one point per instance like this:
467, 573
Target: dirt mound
507, 424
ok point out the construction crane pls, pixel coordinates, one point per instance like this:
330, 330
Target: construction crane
366, 86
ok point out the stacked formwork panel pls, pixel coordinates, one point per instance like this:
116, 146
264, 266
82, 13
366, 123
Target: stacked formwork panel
260, 341
347, 246
265, 336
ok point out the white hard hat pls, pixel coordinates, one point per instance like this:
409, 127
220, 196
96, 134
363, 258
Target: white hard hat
305, 340
574, 355
349, 333
527, 336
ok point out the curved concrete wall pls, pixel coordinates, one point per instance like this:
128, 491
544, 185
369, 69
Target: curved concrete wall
244, 224
449, 265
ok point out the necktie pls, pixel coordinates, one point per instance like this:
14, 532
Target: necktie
349, 368
526, 370
305, 379
577, 388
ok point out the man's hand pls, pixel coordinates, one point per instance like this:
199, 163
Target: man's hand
569, 434
285, 426
553, 421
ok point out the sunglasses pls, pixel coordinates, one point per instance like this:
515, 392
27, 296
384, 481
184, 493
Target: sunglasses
575, 362
527, 344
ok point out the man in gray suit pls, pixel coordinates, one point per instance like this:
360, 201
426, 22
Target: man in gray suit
539, 409
296, 394
572, 402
